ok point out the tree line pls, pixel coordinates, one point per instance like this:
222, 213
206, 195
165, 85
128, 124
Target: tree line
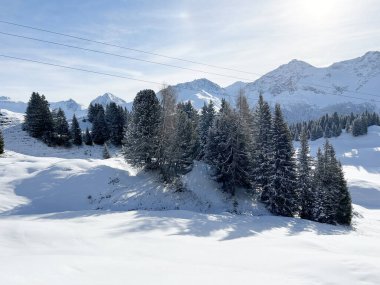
53, 129
245, 148
250, 148
329, 126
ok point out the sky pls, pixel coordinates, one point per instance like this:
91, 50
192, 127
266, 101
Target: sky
255, 36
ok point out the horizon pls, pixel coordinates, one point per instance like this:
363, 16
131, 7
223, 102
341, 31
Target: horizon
260, 37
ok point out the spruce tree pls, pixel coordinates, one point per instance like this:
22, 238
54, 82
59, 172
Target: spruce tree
62, 134
262, 148
205, 123
38, 118
167, 130
283, 196
87, 137
184, 144
332, 202
115, 122
1, 143
100, 132
76, 132
141, 141
228, 152
304, 177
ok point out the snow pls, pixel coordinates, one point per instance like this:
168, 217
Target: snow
52, 232
107, 98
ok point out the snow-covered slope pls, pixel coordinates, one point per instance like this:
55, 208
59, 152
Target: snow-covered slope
58, 224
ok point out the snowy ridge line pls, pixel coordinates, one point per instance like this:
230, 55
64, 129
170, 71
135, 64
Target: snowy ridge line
147, 81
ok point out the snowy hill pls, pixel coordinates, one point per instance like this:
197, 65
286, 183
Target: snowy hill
107, 98
61, 210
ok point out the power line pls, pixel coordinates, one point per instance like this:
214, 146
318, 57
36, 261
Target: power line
120, 56
126, 48
78, 69
135, 79
147, 61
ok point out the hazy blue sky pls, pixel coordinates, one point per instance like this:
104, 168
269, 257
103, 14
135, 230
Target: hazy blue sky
256, 36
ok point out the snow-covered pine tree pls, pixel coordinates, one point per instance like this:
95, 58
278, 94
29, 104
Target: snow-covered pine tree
115, 122
344, 209
140, 144
205, 123
87, 137
262, 148
304, 177
184, 144
100, 132
62, 134
1, 142
283, 196
227, 150
38, 119
167, 129
76, 132
106, 152
332, 198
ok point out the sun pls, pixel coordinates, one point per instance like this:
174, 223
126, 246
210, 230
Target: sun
319, 12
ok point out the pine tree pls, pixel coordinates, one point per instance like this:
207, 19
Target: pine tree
141, 141
283, 196
87, 137
304, 177
115, 122
205, 123
62, 134
332, 202
184, 144
100, 132
262, 148
106, 153
1, 143
76, 132
38, 118
227, 151
167, 129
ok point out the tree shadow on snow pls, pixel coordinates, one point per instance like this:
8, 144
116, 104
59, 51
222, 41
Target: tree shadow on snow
224, 226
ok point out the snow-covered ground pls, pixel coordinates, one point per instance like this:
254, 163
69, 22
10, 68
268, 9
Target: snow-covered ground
63, 221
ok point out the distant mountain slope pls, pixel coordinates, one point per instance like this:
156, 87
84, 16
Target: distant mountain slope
304, 91
70, 107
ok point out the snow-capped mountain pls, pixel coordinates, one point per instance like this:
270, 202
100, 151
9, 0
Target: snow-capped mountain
304, 91
107, 98
70, 107
13, 106
200, 91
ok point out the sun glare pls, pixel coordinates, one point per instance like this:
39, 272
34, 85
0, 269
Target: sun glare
318, 12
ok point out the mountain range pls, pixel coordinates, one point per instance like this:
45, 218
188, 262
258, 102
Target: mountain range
304, 91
